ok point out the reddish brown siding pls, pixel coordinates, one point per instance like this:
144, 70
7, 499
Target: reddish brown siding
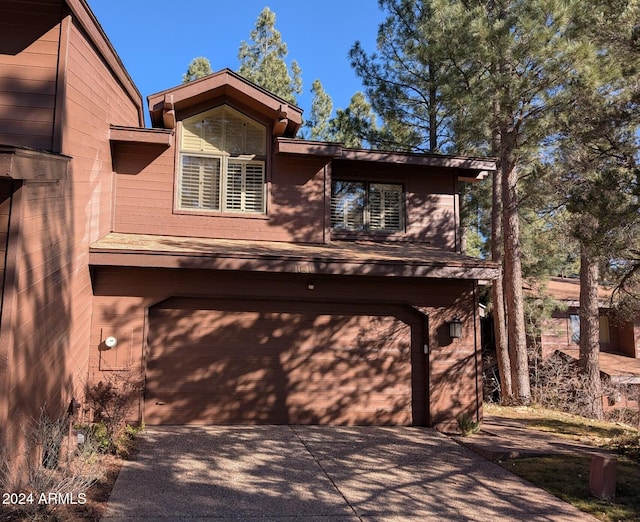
272, 362
145, 201
453, 385
29, 39
46, 332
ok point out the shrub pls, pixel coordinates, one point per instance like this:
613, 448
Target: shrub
48, 464
112, 400
467, 426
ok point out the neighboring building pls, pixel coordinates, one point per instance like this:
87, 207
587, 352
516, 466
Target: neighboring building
248, 276
621, 337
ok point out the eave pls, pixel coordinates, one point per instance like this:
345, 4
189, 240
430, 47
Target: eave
469, 169
339, 258
287, 118
141, 136
32, 165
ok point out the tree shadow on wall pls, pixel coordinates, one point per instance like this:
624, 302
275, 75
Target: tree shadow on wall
271, 362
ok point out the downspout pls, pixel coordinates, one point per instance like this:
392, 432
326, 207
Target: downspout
475, 347
427, 372
456, 216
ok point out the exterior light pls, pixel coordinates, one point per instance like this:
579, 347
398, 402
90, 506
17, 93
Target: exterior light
311, 285
455, 328
110, 342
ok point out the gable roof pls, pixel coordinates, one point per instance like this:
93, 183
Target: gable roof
225, 82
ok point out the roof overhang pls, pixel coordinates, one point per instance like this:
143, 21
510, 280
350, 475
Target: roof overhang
469, 168
338, 258
141, 136
287, 118
33, 165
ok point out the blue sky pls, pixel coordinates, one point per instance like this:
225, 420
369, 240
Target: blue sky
156, 39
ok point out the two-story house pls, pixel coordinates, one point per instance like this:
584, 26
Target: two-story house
247, 275
256, 277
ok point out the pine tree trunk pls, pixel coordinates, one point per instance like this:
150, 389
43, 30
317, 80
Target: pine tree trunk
590, 333
514, 300
497, 294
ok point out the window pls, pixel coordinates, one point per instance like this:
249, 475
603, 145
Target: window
604, 335
222, 163
366, 206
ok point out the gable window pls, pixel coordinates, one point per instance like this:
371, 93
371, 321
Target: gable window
222, 163
366, 206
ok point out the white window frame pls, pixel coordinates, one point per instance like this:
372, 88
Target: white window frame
247, 201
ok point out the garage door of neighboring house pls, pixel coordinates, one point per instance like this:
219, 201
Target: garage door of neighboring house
252, 362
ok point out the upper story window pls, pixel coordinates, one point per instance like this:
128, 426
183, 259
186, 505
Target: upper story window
366, 206
222, 163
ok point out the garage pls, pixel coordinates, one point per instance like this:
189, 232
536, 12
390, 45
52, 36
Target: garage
240, 361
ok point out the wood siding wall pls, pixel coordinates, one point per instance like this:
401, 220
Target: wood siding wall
123, 297
297, 205
145, 201
557, 336
29, 41
56, 221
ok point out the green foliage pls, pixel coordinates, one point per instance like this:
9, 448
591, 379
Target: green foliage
262, 61
126, 441
321, 108
353, 125
404, 78
112, 400
467, 425
198, 68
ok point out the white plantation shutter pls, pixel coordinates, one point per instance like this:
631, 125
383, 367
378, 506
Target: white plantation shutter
245, 186
234, 187
357, 205
254, 187
211, 171
200, 183
385, 207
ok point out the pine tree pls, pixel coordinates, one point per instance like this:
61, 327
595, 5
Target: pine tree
263, 60
198, 68
321, 108
486, 75
403, 80
598, 177
352, 126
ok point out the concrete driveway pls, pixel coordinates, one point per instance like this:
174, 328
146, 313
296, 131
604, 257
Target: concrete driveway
320, 473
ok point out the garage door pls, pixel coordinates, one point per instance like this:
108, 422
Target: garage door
260, 362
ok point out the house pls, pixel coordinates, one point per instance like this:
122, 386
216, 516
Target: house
619, 356
562, 332
248, 276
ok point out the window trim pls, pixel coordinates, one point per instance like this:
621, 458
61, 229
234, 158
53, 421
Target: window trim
366, 213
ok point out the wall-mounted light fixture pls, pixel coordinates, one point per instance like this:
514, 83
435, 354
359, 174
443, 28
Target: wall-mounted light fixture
311, 285
455, 328
111, 342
